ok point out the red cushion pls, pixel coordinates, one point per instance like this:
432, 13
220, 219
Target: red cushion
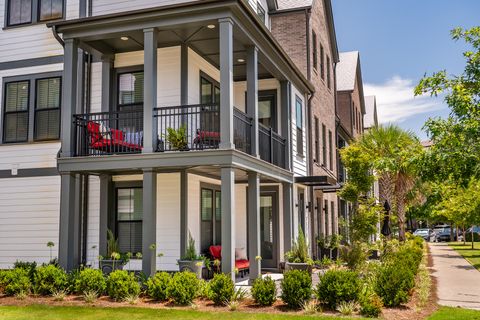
117, 134
93, 129
216, 252
112, 144
242, 264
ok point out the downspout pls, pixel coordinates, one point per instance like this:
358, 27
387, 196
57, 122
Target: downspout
56, 36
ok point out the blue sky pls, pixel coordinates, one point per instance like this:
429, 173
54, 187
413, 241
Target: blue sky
399, 41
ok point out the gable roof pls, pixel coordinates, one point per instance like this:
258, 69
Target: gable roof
347, 70
370, 119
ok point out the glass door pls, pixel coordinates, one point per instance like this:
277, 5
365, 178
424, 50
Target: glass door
268, 230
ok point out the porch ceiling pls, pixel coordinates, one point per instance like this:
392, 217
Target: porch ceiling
199, 37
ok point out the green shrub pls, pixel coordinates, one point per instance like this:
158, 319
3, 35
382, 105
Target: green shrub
203, 289
30, 267
72, 277
355, 255
222, 289
371, 306
121, 284
264, 291
394, 283
337, 286
49, 279
90, 280
183, 288
16, 281
296, 288
157, 286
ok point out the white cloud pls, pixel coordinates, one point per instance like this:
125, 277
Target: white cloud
396, 101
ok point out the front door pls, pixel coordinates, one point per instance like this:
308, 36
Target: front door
268, 229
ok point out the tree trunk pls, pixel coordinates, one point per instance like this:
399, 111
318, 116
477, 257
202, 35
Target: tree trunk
464, 238
472, 237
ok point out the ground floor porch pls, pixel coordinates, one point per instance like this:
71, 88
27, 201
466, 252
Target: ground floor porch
153, 213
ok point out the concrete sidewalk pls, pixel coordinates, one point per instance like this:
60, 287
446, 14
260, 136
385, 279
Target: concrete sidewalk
458, 282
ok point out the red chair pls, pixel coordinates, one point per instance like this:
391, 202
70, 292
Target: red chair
110, 141
241, 265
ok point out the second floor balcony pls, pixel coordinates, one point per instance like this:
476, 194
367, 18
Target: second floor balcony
178, 129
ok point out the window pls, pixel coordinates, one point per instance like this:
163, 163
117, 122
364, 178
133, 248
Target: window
322, 62
330, 149
324, 144
325, 211
261, 12
209, 91
267, 102
16, 111
354, 116
301, 209
210, 218
32, 105
47, 109
299, 124
19, 12
315, 53
50, 10
130, 90
30, 11
328, 73
317, 140
332, 220
129, 219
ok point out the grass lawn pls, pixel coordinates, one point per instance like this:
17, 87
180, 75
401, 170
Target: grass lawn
42, 312
445, 313
472, 256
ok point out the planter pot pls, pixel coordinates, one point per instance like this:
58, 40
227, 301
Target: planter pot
325, 253
108, 266
298, 266
195, 266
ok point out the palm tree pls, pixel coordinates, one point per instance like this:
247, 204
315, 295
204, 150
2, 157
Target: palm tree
394, 151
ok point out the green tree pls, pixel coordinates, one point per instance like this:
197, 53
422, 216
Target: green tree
394, 152
455, 154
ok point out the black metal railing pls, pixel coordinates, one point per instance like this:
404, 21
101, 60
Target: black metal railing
106, 133
242, 131
271, 146
190, 127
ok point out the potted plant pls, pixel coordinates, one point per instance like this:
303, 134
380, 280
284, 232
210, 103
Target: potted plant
191, 261
298, 258
323, 246
114, 260
177, 138
334, 245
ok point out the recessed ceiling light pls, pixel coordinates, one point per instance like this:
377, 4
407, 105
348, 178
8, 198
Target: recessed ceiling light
124, 38
241, 60
211, 26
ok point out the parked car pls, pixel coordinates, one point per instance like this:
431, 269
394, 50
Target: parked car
468, 233
444, 234
424, 233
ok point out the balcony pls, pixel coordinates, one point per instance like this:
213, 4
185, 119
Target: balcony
179, 129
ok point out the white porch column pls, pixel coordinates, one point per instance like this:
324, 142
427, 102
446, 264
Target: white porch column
226, 84
254, 240
149, 224
228, 221
252, 97
150, 131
